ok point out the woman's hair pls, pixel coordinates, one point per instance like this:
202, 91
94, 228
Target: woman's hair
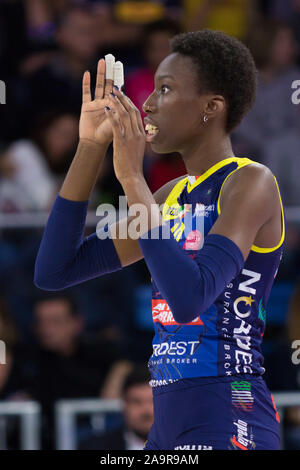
225, 66
8, 332
138, 376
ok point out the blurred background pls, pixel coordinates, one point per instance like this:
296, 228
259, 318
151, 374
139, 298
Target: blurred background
92, 342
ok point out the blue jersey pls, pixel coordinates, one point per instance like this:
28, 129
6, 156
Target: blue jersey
226, 339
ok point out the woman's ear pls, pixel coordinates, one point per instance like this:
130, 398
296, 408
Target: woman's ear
215, 106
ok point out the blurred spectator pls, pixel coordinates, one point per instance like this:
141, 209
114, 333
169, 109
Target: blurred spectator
282, 374
68, 365
25, 181
65, 364
145, 11
56, 135
59, 83
282, 155
271, 130
30, 169
154, 48
13, 39
121, 21
41, 16
13, 385
137, 413
234, 17
286, 10
273, 114
12, 377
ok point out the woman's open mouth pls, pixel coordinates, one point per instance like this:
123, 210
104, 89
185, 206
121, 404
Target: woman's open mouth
151, 132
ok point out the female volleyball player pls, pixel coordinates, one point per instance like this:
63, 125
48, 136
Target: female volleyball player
209, 298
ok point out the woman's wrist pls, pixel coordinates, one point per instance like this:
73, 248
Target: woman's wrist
131, 179
84, 170
94, 146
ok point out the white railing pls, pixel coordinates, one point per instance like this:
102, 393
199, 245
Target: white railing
285, 400
29, 413
67, 411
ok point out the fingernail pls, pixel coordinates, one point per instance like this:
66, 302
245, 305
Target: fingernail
116, 87
107, 108
112, 94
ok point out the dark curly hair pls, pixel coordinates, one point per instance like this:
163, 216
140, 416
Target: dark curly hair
225, 66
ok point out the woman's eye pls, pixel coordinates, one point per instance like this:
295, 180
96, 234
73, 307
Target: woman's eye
164, 89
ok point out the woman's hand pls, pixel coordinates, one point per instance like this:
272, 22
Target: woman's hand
129, 137
94, 127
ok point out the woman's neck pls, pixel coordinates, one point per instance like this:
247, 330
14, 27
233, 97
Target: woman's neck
198, 157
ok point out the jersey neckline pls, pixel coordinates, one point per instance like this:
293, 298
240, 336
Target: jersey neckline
193, 181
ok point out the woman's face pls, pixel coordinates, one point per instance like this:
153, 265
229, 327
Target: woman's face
176, 106
61, 137
158, 47
284, 49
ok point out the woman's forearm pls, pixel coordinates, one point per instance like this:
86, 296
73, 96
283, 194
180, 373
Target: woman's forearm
138, 193
84, 171
65, 258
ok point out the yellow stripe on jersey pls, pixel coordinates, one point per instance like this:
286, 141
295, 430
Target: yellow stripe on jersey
257, 249
212, 170
241, 163
171, 206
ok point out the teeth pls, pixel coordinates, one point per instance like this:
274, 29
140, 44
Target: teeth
151, 129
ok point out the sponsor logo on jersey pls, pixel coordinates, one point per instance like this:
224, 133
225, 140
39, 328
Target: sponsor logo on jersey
203, 211
193, 447
158, 383
262, 314
162, 314
242, 333
194, 240
175, 348
241, 395
242, 440
177, 211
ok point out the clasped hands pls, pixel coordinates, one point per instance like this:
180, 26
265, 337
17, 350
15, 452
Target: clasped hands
111, 116
129, 136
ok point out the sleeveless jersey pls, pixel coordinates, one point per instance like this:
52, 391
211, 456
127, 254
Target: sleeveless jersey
225, 340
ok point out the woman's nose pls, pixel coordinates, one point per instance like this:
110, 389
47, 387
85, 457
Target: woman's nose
148, 106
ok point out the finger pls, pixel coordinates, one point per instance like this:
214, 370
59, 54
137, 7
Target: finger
138, 117
124, 117
123, 98
100, 82
86, 87
114, 121
132, 110
108, 87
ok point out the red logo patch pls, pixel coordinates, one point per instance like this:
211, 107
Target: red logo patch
161, 313
193, 241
